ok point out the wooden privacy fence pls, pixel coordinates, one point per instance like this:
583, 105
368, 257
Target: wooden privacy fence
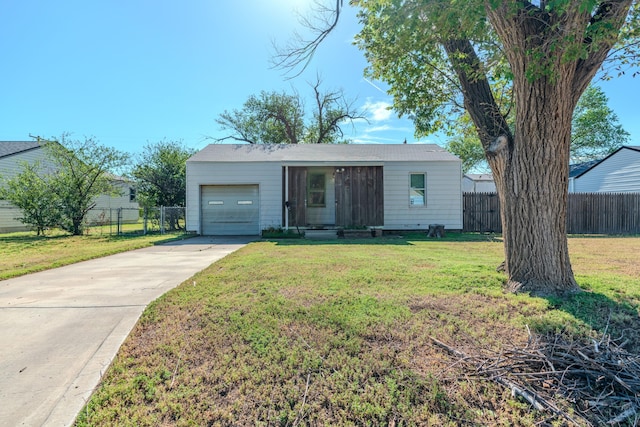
587, 213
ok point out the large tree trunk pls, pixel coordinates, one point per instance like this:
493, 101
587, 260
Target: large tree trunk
531, 170
532, 178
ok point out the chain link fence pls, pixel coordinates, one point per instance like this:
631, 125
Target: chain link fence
117, 221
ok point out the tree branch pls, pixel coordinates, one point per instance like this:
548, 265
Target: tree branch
235, 138
612, 13
298, 54
478, 98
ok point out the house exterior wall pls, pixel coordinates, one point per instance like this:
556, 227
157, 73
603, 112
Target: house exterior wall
443, 188
619, 173
444, 196
10, 166
470, 185
106, 205
8, 215
267, 175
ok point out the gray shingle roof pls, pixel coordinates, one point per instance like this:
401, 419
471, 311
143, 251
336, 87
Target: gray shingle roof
322, 153
479, 176
8, 148
578, 168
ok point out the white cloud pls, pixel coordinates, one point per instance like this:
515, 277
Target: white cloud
379, 111
379, 128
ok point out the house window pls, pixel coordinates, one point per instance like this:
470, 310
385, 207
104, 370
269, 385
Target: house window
418, 189
316, 190
132, 194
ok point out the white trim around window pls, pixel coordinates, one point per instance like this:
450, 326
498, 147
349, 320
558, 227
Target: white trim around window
417, 189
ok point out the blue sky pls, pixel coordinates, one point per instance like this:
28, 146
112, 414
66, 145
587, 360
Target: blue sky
131, 72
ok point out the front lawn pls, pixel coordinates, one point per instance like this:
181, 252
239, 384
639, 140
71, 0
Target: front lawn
296, 333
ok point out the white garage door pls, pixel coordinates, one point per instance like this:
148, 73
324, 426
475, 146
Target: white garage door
230, 210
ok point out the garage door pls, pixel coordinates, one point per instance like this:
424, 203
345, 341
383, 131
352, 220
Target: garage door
230, 210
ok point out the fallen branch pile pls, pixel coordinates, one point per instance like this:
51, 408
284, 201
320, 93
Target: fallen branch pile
599, 379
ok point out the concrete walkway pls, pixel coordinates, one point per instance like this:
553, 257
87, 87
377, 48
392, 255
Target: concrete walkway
61, 328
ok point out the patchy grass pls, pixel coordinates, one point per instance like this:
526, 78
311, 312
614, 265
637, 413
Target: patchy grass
338, 333
23, 253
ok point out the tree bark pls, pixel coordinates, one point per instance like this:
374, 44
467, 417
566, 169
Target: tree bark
532, 180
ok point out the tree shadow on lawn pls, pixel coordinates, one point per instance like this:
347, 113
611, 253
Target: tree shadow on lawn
602, 314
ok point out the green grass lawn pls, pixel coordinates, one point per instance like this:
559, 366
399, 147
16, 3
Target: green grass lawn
23, 253
294, 333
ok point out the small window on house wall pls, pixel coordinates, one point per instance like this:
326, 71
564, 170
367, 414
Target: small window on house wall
316, 190
132, 194
418, 189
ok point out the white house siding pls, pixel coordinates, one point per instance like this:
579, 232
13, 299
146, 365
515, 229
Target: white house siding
8, 215
444, 196
106, 206
619, 173
478, 184
268, 177
10, 166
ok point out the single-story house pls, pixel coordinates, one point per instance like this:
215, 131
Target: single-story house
478, 183
619, 172
14, 153
244, 189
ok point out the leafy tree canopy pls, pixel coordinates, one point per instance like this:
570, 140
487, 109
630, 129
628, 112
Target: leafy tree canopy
160, 174
83, 171
280, 118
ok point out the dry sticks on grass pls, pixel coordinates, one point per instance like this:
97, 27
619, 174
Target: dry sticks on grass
599, 379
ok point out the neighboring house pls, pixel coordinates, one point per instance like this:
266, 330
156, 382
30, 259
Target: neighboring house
577, 169
619, 172
243, 189
478, 183
13, 154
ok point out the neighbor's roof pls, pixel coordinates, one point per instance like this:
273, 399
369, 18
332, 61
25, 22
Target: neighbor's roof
624, 147
578, 168
9, 148
322, 153
479, 176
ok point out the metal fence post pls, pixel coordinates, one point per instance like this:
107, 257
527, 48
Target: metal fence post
161, 219
119, 221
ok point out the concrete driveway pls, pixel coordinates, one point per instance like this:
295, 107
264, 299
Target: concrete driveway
61, 328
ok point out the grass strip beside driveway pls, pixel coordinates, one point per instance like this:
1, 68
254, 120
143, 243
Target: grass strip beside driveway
23, 253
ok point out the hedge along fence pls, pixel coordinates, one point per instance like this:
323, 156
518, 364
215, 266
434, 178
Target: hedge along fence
587, 213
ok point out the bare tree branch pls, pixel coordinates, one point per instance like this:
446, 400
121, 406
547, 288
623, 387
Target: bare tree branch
297, 54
